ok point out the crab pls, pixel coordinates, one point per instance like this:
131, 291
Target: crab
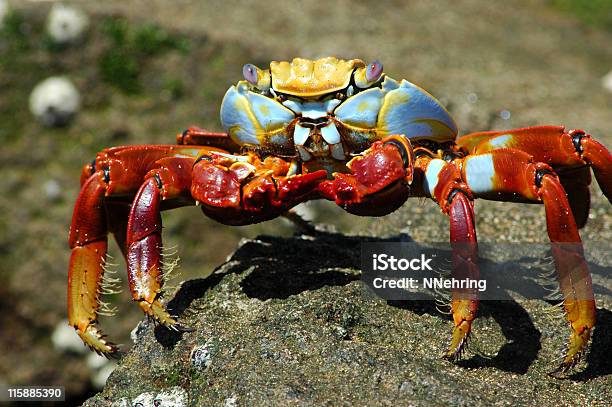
343, 131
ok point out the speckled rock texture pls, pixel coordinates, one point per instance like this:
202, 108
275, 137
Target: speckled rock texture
287, 321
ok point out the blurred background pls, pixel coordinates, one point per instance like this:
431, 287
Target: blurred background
80, 76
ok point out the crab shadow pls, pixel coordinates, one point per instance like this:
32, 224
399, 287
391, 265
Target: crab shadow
277, 267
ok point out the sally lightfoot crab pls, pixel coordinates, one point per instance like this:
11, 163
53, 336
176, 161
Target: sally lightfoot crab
342, 131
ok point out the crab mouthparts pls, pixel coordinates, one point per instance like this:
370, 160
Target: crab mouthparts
315, 134
320, 139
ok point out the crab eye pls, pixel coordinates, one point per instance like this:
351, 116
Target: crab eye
373, 71
367, 76
249, 71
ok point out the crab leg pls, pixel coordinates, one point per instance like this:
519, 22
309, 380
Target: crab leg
201, 137
443, 183
108, 185
502, 174
171, 181
551, 145
230, 188
88, 243
381, 175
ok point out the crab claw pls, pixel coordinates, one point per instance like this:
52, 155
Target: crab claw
382, 165
266, 190
297, 187
237, 192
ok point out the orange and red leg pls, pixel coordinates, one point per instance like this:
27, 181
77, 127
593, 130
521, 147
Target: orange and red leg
88, 241
442, 182
570, 153
169, 182
511, 175
103, 204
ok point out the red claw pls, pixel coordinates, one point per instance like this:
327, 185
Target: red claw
255, 188
298, 187
382, 165
215, 185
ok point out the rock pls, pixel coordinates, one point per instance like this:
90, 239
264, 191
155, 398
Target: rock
66, 24
277, 325
55, 101
53, 190
173, 397
200, 357
100, 376
137, 332
230, 402
606, 81
143, 400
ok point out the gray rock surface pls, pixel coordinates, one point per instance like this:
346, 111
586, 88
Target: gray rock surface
287, 321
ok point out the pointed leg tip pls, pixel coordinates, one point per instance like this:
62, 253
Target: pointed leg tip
96, 341
569, 363
578, 347
454, 353
113, 352
459, 341
451, 356
158, 313
558, 373
563, 369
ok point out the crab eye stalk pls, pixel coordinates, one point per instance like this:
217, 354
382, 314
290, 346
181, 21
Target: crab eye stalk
256, 77
373, 71
249, 71
366, 77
